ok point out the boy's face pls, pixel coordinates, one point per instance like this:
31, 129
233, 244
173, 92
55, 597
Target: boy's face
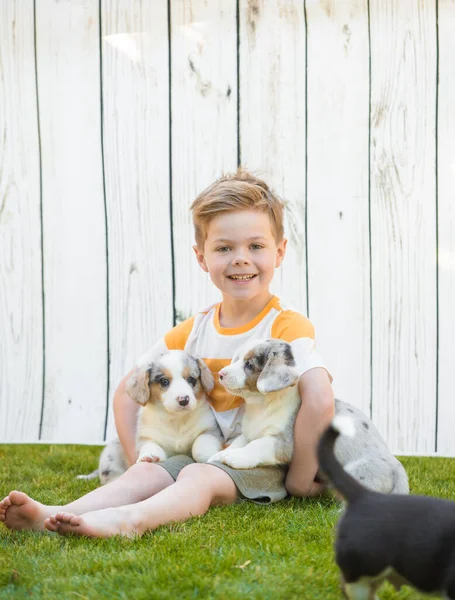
240, 253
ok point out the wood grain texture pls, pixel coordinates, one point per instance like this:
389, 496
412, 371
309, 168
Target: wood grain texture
107, 268
403, 211
204, 127
21, 325
73, 220
136, 150
446, 227
272, 121
338, 215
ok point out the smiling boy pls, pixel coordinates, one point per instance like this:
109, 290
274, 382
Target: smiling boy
239, 242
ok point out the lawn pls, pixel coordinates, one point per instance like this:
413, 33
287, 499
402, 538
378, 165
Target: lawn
240, 551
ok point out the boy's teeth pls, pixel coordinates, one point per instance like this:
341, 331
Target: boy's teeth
242, 277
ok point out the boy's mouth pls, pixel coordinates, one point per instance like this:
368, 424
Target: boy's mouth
241, 277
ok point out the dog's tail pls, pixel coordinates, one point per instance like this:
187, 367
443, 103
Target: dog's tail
92, 475
348, 487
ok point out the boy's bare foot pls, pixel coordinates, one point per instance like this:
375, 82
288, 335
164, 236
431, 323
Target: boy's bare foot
100, 523
19, 511
3, 506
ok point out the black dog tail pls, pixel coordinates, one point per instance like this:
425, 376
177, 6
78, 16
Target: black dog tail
348, 487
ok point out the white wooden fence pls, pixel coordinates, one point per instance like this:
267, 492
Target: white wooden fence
115, 114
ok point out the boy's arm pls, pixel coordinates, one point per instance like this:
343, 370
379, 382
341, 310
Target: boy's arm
125, 416
315, 414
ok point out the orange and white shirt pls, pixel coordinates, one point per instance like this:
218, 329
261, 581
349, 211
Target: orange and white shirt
203, 336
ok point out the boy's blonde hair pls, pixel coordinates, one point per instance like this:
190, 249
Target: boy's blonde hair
236, 191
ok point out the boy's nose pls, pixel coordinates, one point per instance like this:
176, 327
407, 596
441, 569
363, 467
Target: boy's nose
241, 260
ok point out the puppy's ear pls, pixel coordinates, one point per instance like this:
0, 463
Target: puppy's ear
206, 376
137, 386
276, 375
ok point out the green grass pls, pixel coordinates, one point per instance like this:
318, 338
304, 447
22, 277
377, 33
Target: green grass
239, 551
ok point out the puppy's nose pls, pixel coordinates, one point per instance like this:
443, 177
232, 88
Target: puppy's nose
183, 400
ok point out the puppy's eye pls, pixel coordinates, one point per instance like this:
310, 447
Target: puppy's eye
164, 383
249, 365
192, 381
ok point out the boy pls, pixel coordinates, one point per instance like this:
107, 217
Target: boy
239, 241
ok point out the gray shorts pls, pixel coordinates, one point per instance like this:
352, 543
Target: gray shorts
262, 484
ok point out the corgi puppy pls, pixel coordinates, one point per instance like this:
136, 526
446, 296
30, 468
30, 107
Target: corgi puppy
175, 416
264, 374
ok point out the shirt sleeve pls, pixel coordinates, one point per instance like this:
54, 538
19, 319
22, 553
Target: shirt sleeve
175, 339
297, 330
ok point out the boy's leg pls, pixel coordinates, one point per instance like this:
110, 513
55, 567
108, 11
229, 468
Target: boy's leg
142, 480
198, 487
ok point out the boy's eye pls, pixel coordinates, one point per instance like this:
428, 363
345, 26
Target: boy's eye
192, 381
256, 246
223, 249
164, 383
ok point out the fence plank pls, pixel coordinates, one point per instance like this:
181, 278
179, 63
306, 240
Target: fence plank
403, 94
204, 127
272, 121
338, 219
446, 227
21, 360
136, 134
73, 220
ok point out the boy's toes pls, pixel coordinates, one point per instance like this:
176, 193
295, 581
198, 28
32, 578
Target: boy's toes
67, 518
51, 524
4, 505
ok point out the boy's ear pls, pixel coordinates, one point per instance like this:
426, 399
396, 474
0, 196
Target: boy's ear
280, 252
200, 259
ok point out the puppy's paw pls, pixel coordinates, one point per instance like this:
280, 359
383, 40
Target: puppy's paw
237, 459
148, 458
217, 457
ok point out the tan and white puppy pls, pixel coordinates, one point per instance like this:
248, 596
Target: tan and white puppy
264, 374
175, 416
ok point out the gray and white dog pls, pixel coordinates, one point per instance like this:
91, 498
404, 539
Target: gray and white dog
366, 456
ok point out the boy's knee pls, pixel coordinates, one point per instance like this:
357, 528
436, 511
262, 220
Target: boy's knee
195, 471
144, 469
141, 466
207, 478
